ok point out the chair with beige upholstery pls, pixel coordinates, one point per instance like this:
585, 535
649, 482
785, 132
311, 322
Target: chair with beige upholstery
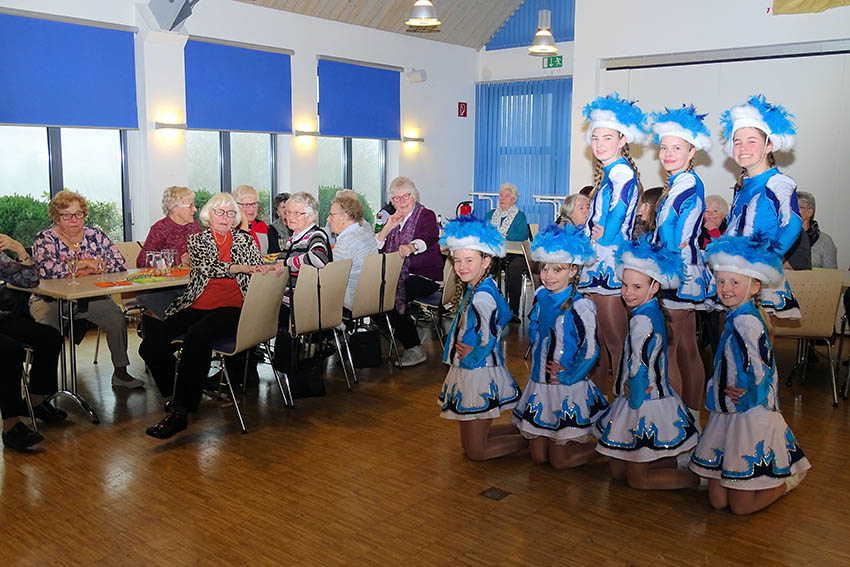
818, 293
317, 306
375, 293
257, 326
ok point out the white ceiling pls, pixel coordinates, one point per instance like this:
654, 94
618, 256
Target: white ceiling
465, 22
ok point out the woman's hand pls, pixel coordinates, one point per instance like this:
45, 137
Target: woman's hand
406, 250
626, 389
184, 259
87, 266
734, 393
462, 350
9, 243
553, 368
597, 232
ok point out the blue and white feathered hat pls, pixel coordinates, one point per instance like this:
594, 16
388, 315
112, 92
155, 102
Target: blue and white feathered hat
771, 119
750, 256
562, 245
620, 114
662, 265
469, 233
683, 123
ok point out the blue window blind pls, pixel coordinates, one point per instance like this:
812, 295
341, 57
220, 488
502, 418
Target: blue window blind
520, 28
359, 101
522, 136
60, 74
237, 89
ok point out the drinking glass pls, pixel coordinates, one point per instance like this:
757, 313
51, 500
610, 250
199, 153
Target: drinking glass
73, 266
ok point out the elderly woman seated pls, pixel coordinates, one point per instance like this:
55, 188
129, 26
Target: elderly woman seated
574, 210
222, 261
512, 224
353, 239
249, 205
279, 233
411, 231
824, 252
169, 233
70, 247
17, 329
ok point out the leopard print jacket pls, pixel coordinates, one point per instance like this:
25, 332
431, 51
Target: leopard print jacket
203, 257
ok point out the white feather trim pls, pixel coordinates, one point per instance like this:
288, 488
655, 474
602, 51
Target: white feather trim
607, 119
471, 243
556, 257
648, 267
700, 142
766, 274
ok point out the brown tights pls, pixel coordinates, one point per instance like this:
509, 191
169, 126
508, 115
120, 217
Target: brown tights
611, 331
566, 456
685, 369
742, 502
481, 440
654, 475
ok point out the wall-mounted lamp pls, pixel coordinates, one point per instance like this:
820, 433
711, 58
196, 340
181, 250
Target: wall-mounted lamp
305, 133
169, 126
412, 139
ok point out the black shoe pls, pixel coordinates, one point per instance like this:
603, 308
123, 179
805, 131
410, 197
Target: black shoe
21, 437
173, 423
48, 413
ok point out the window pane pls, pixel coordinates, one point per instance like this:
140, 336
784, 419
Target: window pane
250, 165
202, 149
91, 166
330, 173
367, 169
24, 182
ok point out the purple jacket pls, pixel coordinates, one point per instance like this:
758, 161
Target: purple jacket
429, 264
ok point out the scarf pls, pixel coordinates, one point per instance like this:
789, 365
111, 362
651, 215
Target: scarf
503, 220
398, 236
813, 231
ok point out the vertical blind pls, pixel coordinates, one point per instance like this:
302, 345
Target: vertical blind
522, 136
519, 29
358, 101
237, 89
62, 74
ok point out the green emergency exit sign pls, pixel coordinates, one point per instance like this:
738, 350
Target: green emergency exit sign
553, 61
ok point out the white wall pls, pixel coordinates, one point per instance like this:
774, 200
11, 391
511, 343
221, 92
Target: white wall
442, 167
516, 64
814, 88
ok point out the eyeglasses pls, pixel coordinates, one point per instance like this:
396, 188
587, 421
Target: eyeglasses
404, 197
254, 204
295, 213
184, 205
68, 216
223, 212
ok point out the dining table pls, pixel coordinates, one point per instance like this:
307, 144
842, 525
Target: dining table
68, 291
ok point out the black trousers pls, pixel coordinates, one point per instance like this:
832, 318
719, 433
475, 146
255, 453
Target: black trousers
416, 287
200, 329
46, 343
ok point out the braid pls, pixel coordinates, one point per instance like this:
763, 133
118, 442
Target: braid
762, 312
739, 183
460, 288
598, 176
634, 168
474, 289
770, 159
569, 301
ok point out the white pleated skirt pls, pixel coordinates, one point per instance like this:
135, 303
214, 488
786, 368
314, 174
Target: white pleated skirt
479, 393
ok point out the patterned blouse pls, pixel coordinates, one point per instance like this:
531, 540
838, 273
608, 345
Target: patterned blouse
51, 254
166, 234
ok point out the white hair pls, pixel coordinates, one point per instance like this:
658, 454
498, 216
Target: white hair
400, 183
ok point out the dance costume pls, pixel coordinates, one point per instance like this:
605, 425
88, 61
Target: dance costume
746, 445
644, 427
566, 410
478, 386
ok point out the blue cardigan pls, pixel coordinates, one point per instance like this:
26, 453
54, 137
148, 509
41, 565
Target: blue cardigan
518, 231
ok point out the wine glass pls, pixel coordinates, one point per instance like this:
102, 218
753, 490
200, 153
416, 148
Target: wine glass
73, 266
101, 268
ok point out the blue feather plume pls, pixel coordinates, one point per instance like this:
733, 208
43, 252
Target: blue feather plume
569, 240
686, 117
751, 249
775, 116
668, 262
625, 111
468, 226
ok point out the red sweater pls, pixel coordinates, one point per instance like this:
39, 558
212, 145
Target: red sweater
165, 234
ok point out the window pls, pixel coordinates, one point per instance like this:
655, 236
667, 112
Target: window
352, 163
221, 161
38, 162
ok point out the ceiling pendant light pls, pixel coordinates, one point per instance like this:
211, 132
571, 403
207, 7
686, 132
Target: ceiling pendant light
543, 43
423, 14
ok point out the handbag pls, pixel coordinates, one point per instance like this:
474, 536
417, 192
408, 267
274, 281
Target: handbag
365, 347
307, 381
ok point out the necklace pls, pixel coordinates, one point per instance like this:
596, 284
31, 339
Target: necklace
215, 236
69, 241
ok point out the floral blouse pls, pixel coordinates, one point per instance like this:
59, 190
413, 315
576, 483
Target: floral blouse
51, 254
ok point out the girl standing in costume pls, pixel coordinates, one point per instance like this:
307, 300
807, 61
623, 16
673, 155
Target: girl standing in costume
747, 452
647, 425
560, 404
679, 134
765, 201
478, 387
614, 124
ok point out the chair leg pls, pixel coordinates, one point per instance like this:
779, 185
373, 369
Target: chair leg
342, 360
245, 370
805, 362
437, 326
832, 374
233, 397
350, 359
527, 352
25, 380
97, 345
288, 400
393, 344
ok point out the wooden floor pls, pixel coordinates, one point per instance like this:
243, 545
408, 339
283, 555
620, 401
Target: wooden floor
375, 477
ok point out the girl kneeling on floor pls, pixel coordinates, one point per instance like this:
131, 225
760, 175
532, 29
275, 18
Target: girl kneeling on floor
647, 424
747, 451
478, 387
560, 403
